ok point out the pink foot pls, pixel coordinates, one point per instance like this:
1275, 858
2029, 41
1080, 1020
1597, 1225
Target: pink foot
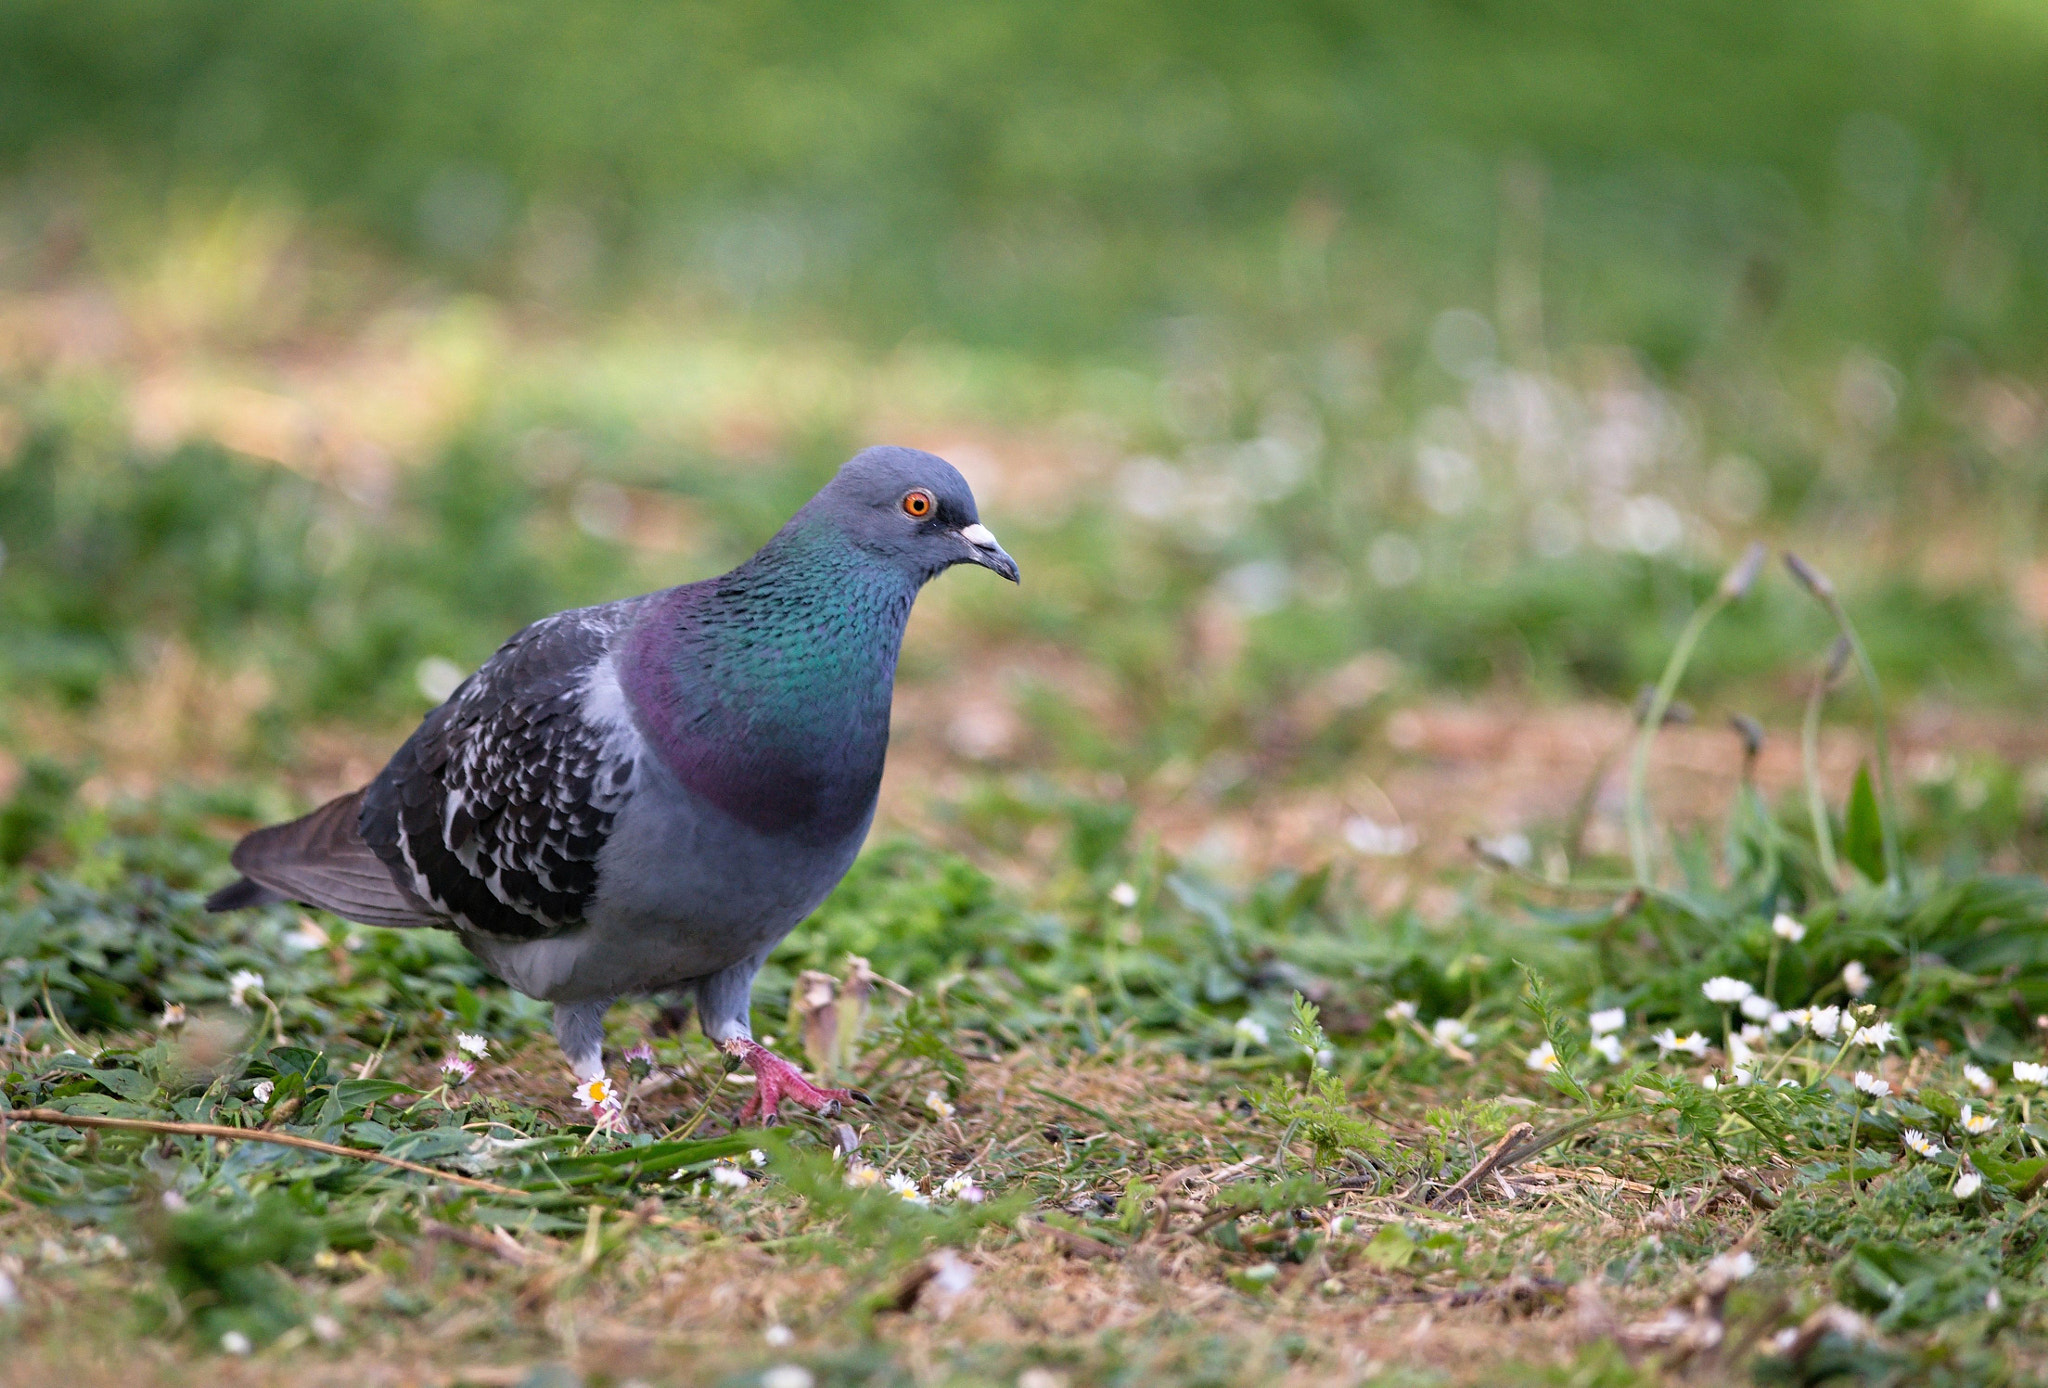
775, 1079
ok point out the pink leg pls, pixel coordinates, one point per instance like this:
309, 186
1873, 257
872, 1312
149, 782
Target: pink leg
775, 1079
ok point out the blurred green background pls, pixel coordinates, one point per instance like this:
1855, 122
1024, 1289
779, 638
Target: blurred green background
337, 340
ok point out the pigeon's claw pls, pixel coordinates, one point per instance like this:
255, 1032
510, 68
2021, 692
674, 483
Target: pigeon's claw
775, 1079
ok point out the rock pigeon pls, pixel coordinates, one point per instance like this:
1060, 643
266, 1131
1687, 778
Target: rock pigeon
648, 795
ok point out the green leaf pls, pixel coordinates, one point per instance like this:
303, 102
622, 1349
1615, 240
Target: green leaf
1391, 1248
1863, 837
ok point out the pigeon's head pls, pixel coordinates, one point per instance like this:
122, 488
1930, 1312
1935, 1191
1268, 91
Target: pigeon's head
912, 509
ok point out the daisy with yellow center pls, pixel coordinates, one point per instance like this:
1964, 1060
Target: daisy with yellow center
1977, 1124
596, 1093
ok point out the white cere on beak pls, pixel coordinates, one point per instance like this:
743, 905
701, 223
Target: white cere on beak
979, 535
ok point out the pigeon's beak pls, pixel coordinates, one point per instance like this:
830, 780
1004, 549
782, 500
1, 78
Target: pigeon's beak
983, 550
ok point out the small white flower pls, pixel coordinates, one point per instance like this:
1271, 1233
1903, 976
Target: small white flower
235, 1342
240, 984
1608, 1048
1979, 1081
263, 1090
1733, 1266
1739, 1077
1920, 1142
308, 936
1880, 1035
962, 1188
1855, 978
2027, 1072
1740, 1053
861, 1176
1752, 1035
731, 1177
1251, 1030
1758, 1008
1787, 927
1711, 1081
788, 1376
174, 1016
1543, 1059
1724, 990
907, 1188
1872, 1085
779, 1336
1977, 1124
1609, 1019
1782, 1022
1402, 1011
935, 1100
469, 1043
596, 1093
1692, 1043
1968, 1184
756, 1157
1124, 895
1824, 1022
1452, 1031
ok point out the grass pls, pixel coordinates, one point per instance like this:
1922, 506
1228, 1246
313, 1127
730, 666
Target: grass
1165, 1164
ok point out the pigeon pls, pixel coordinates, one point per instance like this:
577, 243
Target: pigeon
646, 796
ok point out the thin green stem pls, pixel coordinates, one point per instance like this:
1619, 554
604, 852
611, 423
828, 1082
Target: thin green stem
1816, 806
1734, 584
1653, 718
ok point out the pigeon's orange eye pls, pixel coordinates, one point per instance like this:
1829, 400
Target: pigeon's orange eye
917, 503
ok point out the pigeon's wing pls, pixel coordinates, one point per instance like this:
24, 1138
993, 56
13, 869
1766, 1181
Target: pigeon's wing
321, 860
496, 809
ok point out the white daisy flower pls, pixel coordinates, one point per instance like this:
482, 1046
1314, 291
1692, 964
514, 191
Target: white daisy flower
263, 1090
1787, 927
1979, 1080
1855, 978
469, 1043
1543, 1059
1251, 1030
1880, 1036
935, 1100
1825, 1022
1692, 1043
731, 1177
1977, 1124
1608, 1048
907, 1188
861, 1176
241, 983
174, 1016
1872, 1085
2027, 1072
1452, 1031
1968, 1184
1733, 1266
1607, 1020
1402, 1011
1757, 1007
596, 1093
1920, 1142
1124, 895
1724, 990
1778, 1023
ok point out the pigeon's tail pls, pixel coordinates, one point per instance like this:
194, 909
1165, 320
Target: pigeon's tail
321, 860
